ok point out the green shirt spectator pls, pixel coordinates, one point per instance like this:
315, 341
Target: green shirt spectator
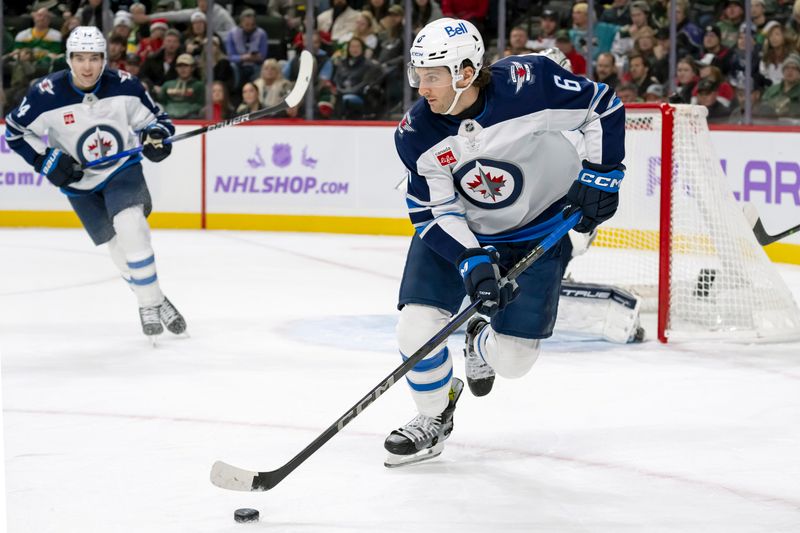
41, 38
784, 98
183, 97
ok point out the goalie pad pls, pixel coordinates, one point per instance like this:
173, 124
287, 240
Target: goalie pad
605, 311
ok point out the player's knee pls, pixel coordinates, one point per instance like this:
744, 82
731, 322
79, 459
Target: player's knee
418, 323
130, 220
515, 355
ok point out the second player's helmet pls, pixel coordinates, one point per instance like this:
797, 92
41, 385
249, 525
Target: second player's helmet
447, 43
85, 39
558, 56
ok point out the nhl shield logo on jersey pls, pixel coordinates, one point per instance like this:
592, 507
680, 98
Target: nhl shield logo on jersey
520, 75
489, 184
100, 141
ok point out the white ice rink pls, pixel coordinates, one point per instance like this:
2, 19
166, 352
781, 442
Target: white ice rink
105, 434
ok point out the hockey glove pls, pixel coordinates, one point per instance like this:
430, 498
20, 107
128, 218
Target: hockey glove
58, 167
153, 146
595, 193
478, 267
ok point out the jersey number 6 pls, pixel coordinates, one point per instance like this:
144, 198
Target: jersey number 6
570, 85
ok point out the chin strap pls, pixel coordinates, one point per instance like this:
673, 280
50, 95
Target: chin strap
458, 91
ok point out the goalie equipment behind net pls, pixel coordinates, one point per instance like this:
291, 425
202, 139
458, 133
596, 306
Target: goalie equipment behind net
680, 240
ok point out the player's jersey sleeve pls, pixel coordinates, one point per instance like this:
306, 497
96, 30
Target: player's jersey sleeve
23, 129
566, 102
143, 111
434, 207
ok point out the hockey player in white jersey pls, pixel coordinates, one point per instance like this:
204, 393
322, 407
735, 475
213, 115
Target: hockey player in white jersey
489, 175
88, 112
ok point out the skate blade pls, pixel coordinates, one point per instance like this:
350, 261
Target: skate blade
395, 461
152, 339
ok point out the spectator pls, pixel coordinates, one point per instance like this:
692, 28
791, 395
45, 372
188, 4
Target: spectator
472, 10
712, 45
659, 65
687, 73
250, 102
338, 21
757, 89
639, 74
391, 54
424, 11
183, 96
365, 29
654, 94
123, 26
624, 40
140, 30
604, 33
776, 49
91, 13
645, 44
548, 26
221, 20
783, 98
564, 43
618, 13
738, 55
246, 46
117, 47
704, 12
690, 36
377, 8
730, 20
271, 86
353, 74
517, 42
70, 23
793, 24
221, 108
151, 45
707, 96
160, 66
725, 93
222, 70
606, 70
628, 93
133, 64
43, 41
23, 72
759, 18
195, 34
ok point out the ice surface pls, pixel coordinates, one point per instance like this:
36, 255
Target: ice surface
105, 434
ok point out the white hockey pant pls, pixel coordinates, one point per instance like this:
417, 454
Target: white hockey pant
510, 357
133, 254
429, 380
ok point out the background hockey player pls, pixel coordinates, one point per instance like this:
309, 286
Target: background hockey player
89, 112
488, 166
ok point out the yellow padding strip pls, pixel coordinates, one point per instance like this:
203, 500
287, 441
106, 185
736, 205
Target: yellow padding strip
68, 219
321, 224
784, 253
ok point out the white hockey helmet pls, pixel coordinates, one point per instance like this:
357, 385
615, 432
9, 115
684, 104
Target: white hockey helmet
86, 39
447, 43
558, 56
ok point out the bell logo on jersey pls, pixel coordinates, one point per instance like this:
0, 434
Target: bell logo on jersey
520, 75
489, 184
446, 157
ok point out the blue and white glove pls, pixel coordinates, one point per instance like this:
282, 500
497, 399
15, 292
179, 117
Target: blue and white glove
58, 167
481, 275
153, 146
595, 193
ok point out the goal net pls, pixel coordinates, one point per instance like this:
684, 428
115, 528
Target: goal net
681, 241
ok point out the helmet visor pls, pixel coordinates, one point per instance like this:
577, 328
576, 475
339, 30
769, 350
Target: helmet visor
429, 77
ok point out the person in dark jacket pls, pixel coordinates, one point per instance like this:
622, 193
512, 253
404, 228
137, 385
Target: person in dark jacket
353, 74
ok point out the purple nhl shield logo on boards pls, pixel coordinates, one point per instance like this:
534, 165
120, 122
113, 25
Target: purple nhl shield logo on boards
281, 155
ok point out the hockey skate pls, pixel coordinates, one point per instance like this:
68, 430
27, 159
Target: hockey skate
151, 321
422, 438
171, 317
480, 376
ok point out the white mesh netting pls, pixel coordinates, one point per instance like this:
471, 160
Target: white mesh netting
722, 284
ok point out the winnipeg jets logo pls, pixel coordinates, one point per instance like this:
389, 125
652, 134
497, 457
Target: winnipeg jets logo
489, 183
45, 86
520, 75
124, 75
405, 125
100, 141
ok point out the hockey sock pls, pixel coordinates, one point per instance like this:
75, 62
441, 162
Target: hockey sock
118, 256
133, 235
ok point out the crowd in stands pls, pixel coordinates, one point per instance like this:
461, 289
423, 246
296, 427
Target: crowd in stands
359, 48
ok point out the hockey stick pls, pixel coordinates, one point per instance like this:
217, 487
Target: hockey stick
761, 234
233, 478
291, 100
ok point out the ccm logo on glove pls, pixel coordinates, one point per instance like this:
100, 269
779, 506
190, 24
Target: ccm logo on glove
609, 182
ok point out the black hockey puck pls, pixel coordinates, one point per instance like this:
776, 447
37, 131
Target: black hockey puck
245, 515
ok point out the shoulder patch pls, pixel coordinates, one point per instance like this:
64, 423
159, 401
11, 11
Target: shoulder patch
45, 86
520, 74
405, 124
